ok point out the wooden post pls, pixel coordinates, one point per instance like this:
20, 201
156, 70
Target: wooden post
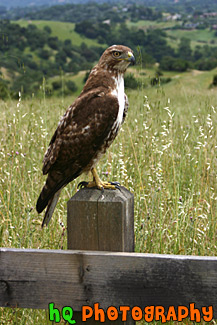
101, 221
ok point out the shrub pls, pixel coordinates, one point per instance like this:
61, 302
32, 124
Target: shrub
130, 81
214, 81
4, 91
71, 86
57, 84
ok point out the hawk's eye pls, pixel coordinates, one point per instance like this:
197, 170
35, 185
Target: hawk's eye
116, 54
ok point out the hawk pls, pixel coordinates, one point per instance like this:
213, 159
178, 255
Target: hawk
87, 128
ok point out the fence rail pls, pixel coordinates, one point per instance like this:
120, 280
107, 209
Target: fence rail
34, 278
99, 224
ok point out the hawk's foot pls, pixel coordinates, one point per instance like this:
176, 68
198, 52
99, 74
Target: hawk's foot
98, 183
100, 186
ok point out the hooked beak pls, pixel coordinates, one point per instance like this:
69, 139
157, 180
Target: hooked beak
131, 58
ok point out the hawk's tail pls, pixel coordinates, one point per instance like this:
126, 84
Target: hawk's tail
49, 196
50, 208
51, 192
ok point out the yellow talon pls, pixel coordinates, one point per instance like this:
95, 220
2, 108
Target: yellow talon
98, 183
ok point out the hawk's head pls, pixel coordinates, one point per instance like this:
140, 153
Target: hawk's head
117, 57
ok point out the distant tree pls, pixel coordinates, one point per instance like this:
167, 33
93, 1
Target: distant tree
173, 64
47, 29
61, 58
214, 82
155, 44
100, 40
68, 42
180, 65
87, 28
22, 44
32, 65
206, 64
72, 67
184, 49
67, 47
36, 38
197, 54
88, 54
31, 28
4, 90
44, 54
167, 63
57, 84
130, 81
27, 83
53, 43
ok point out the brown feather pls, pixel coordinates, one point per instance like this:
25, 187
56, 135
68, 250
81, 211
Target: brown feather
85, 131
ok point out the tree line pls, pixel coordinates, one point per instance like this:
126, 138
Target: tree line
118, 12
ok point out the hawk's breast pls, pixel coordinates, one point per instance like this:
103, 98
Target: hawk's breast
119, 93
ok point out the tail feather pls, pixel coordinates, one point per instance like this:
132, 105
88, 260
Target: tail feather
50, 208
54, 183
51, 191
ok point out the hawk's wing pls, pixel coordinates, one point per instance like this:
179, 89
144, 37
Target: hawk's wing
81, 133
84, 126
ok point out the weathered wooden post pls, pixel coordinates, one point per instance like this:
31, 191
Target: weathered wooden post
101, 221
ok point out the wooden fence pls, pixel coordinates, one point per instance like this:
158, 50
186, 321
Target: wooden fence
32, 278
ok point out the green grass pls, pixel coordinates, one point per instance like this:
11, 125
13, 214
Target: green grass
165, 154
197, 36
62, 30
144, 24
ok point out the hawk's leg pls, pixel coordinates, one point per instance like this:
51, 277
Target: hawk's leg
98, 183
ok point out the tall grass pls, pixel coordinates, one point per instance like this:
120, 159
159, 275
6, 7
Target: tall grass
165, 154
175, 147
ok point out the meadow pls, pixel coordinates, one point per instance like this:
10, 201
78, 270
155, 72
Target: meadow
62, 30
165, 155
66, 30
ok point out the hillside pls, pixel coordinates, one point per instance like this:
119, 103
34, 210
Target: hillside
94, 11
38, 3
33, 50
61, 30
66, 39
175, 32
30, 53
